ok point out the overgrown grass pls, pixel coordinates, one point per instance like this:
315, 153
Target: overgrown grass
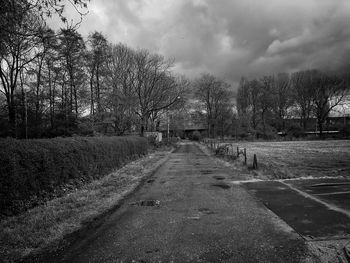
33, 171
49, 223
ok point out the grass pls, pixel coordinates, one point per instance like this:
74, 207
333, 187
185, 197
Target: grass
47, 224
294, 159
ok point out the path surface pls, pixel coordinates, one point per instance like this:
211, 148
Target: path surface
190, 213
310, 212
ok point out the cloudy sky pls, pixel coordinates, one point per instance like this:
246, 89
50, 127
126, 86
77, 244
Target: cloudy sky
230, 38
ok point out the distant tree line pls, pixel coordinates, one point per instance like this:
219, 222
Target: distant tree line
264, 104
59, 84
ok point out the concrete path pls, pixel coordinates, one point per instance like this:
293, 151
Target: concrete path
310, 216
187, 212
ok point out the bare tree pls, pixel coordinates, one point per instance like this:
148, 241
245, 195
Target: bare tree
282, 98
214, 95
156, 89
97, 57
71, 50
302, 94
266, 99
243, 105
18, 51
328, 92
121, 76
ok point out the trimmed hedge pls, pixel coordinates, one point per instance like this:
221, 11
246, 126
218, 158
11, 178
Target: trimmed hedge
33, 170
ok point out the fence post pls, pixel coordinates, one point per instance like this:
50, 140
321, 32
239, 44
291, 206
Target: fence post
255, 162
237, 151
245, 156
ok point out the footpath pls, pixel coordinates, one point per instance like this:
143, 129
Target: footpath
188, 211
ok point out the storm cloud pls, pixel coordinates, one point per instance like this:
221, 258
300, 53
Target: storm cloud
231, 38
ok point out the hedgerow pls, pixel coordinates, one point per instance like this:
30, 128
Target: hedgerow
34, 170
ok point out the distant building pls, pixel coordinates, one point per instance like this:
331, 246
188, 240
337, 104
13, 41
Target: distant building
182, 124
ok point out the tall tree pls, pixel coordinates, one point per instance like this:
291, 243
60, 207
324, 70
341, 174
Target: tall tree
266, 100
328, 92
18, 51
156, 89
120, 77
243, 105
214, 95
302, 94
97, 56
282, 99
71, 52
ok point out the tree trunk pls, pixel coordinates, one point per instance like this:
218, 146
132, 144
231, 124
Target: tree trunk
76, 102
12, 119
92, 106
320, 127
142, 132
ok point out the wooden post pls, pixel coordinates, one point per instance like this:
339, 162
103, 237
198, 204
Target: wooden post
255, 162
245, 156
237, 151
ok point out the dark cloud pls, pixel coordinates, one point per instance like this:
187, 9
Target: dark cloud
231, 38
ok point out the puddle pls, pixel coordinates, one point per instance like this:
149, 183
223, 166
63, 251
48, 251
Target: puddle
218, 177
206, 211
193, 218
150, 181
223, 186
152, 251
147, 203
207, 171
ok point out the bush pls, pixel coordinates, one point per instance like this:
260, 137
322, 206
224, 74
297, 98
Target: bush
295, 131
196, 136
344, 130
33, 169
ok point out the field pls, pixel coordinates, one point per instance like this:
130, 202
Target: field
296, 159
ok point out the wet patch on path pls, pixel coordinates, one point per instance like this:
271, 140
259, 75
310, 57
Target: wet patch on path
219, 177
147, 203
206, 211
222, 185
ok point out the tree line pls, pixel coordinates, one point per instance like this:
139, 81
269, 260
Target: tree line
264, 104
59, 84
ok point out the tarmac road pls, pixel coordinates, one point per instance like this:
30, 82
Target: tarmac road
187, 212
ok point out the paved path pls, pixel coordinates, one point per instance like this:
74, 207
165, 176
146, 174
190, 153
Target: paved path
190, 213
310, 216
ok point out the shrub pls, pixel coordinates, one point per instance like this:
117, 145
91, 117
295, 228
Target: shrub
196, 136
344, 130
33, 169
295, 131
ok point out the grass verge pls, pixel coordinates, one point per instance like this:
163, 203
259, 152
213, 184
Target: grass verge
47, 224
295, 159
